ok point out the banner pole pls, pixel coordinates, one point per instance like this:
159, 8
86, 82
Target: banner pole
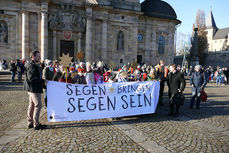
66, 74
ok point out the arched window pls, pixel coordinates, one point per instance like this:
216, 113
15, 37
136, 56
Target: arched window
161, 44
3, 32
120, 41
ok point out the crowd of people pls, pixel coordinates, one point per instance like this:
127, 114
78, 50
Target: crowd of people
3, 65
17, 67
220, 75
38, 73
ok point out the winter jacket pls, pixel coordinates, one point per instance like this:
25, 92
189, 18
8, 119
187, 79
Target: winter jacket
198, 80
33, 81
13, 67
79, 79
90, 79
161, 73
47, 74
176, 81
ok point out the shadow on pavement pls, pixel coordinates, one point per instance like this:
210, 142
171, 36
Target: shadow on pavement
11, 86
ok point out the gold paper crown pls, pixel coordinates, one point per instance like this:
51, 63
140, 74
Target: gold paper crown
88, 64
100, 63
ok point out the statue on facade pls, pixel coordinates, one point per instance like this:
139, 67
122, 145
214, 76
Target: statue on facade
52, 21
79, 21
120, 41
67, 19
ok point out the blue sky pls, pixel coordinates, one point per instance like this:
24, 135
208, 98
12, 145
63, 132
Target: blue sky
186, 12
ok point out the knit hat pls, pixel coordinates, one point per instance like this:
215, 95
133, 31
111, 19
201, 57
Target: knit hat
99, 64
88, 64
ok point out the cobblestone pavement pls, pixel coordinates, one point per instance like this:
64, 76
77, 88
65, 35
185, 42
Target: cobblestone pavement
13, 103
204, 130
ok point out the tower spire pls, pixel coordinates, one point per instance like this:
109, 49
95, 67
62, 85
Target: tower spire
210, 22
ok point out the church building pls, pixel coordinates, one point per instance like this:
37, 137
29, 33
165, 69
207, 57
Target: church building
119, 31
218, 39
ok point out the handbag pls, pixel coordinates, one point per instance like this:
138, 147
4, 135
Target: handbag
177, 98
203, 96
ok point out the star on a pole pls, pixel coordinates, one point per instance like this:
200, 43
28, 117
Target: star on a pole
135, 64
79, 55
65, 59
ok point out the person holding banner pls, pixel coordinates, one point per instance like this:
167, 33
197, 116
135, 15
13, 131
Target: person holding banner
48, 73
161, 75
176, 84
34, 85
89, 75
59, 73
100, 70
65, 75
80, 78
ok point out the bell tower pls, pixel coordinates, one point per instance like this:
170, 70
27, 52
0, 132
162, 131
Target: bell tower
211, 28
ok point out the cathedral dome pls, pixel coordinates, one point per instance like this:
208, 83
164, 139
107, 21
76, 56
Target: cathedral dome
158, 8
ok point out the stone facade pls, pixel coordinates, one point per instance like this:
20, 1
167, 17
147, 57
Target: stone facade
109, 30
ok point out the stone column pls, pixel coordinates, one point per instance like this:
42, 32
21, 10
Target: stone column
134, 49
54, 45
104, 41
148, 42
79, 49
44, 31
79, 42
88, 52
25, 35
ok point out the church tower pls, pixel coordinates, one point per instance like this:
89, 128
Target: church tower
211, 28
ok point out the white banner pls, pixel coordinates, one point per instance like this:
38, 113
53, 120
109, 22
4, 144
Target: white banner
72, 102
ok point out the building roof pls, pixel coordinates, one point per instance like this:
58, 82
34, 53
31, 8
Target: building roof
221, 33
158, 8
210, 22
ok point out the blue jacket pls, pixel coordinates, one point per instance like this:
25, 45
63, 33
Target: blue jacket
198, 79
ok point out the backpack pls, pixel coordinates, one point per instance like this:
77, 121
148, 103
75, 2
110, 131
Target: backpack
19, 69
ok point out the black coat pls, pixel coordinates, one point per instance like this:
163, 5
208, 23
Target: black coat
79, 79
33, 81
57, 76
176, 81
13, 67
226, 73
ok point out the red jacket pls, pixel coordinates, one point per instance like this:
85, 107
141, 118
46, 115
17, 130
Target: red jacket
69, 80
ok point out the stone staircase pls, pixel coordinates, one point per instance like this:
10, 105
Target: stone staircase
5, 72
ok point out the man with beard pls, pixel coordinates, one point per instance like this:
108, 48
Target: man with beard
34, 85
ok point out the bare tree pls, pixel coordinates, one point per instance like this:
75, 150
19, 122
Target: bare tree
202, 34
